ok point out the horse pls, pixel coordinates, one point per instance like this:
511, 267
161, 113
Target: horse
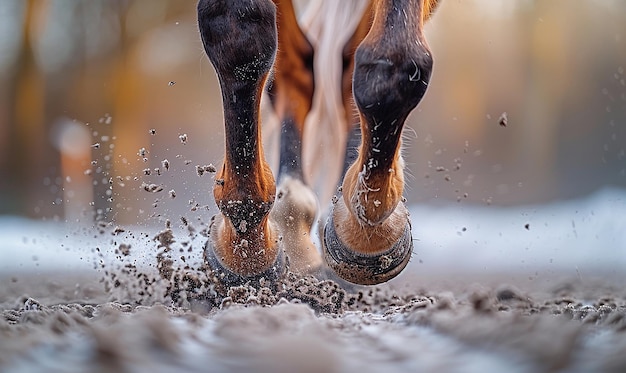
264, 224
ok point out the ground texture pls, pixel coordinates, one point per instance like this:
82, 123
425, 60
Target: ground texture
60, 322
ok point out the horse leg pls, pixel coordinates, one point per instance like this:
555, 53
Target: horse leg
291, 95
353, 130
347, 71
239, 37
367, 238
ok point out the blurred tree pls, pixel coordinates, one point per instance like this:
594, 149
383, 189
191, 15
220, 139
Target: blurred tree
28, 156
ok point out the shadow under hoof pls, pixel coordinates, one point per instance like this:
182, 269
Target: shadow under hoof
364, 269
228, 278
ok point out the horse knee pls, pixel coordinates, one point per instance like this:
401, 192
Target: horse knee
239, 36
389, 81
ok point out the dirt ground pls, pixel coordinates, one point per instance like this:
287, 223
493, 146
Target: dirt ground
82, 322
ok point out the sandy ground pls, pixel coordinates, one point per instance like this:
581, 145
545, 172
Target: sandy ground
60, 322
533, 290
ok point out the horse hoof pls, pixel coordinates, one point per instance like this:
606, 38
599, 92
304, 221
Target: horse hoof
229, 278
294, 213
365, 269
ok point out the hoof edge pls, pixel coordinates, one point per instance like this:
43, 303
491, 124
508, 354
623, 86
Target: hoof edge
365, 269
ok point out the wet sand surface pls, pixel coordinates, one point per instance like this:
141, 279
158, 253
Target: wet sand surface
70, 322
105, 298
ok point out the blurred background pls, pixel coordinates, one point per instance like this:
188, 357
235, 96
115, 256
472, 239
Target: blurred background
100, 98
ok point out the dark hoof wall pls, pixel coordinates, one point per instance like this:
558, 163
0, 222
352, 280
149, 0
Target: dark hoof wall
365, 269
227, 278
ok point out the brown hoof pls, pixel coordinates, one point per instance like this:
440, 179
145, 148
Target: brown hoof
228, 277
365, 269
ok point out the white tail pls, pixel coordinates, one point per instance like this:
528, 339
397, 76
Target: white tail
328, 26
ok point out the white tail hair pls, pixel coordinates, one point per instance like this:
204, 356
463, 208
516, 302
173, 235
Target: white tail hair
328, 26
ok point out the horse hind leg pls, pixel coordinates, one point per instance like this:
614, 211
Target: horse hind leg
291, 94
239, 37
367, 237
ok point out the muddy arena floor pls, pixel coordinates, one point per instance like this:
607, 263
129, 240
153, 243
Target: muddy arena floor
111, 299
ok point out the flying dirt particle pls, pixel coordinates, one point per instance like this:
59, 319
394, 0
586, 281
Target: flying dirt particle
101, 227
527, 226
165, 238
96, 145
457, 164
147, 171
200, 170
142, 152
171, 83
166, 164
183, 138
152, 131
88, 172
152, 188
172, 193
118, 230
158, 171
503, 120
123, 249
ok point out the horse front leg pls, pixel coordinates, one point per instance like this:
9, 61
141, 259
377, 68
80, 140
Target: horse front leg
367, 238
239, 37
